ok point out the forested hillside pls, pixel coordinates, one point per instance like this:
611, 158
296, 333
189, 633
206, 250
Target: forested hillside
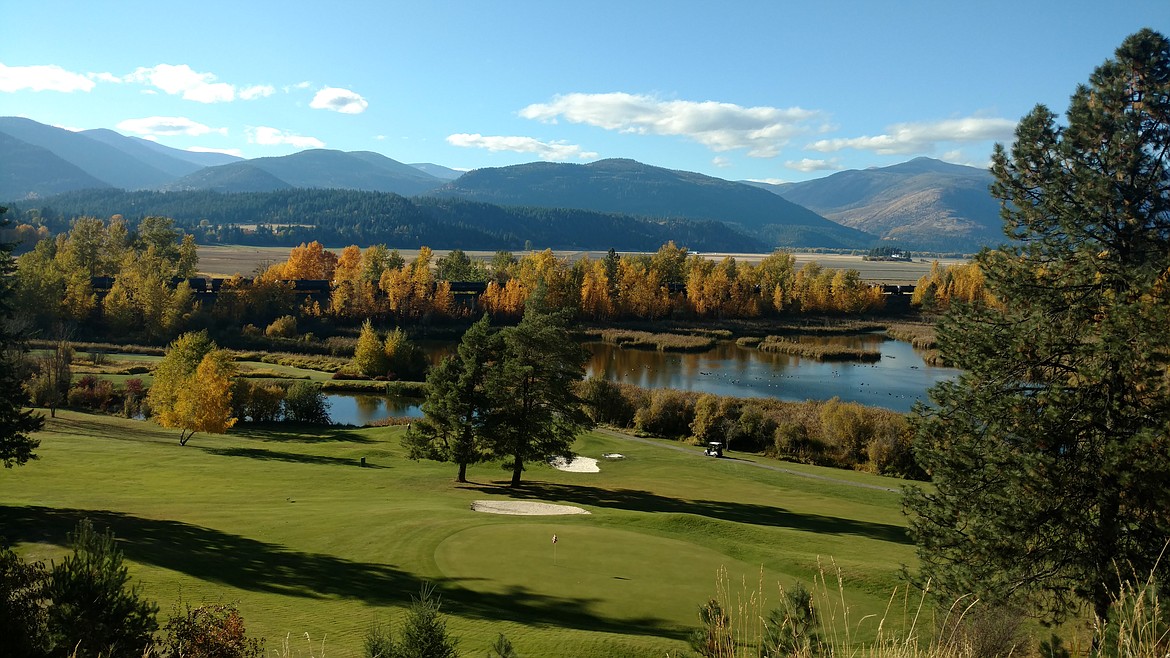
289, 217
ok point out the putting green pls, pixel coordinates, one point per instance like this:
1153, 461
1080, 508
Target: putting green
611, 574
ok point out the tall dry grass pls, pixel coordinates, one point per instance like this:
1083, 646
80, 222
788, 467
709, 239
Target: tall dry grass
781, 345
911, 626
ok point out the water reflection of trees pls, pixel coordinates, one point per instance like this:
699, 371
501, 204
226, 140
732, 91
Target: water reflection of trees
368, 407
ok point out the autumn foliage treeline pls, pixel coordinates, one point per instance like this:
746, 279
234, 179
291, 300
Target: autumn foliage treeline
671, 283
54, 284
962, 283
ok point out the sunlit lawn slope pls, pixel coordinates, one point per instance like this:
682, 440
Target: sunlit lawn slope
286, 524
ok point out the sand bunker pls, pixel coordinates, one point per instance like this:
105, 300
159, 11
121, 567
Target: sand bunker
523, 507
578, 465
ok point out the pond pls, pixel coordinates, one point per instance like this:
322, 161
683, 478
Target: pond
896, 381
357, 409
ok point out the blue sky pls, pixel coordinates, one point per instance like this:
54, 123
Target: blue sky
779, 90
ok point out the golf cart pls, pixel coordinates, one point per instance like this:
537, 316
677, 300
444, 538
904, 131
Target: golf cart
714, 449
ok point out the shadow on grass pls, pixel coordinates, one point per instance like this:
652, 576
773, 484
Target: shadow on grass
292, 457
299, 433
89, 424
749, 513
249, 564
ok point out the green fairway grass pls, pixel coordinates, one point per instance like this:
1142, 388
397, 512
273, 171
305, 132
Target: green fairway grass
284, 523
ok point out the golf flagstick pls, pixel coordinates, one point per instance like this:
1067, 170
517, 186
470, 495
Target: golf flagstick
554, 540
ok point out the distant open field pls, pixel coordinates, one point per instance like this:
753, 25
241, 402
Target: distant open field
226, 260
285, 524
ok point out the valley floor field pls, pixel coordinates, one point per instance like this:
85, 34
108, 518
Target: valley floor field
226, 260
283, 522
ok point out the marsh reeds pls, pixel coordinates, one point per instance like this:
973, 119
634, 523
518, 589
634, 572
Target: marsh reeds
645, 340
921, 336
780, 345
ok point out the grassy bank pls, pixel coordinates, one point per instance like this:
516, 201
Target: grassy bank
661, 342
781, 345
284, 523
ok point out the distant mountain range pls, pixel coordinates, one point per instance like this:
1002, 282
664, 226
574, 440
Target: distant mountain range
316, 168
921, 204
634, 188
924, 203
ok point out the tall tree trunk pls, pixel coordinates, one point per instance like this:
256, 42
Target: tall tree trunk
462, 477
517, 469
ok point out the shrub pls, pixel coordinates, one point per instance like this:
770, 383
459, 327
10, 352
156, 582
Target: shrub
23, 624
424, 633
605, 403
404, 359
92, 393
793, 629
502, 648
283, 327
135, 395
793, 441
669, 414
259, 403
93, 610
369, 357
305, 403
848, 427
378, 642
208, 631
754, 430
986, 631
714, 638
891, 451
716, 419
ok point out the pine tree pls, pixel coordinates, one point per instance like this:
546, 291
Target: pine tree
93, 609
1049, 453
16, 423
424, 631
457, 405
536, 413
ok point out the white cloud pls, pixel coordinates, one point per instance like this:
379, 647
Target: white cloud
256, 91
104, 77
557, 150
720, 161
905, 138
300, 85
182, 80
339, 100
770, 181
267, 136
763, 131
48, 77
810, 164
203, 149
152, 126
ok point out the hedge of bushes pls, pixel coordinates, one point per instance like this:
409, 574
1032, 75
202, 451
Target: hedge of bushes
829, 433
